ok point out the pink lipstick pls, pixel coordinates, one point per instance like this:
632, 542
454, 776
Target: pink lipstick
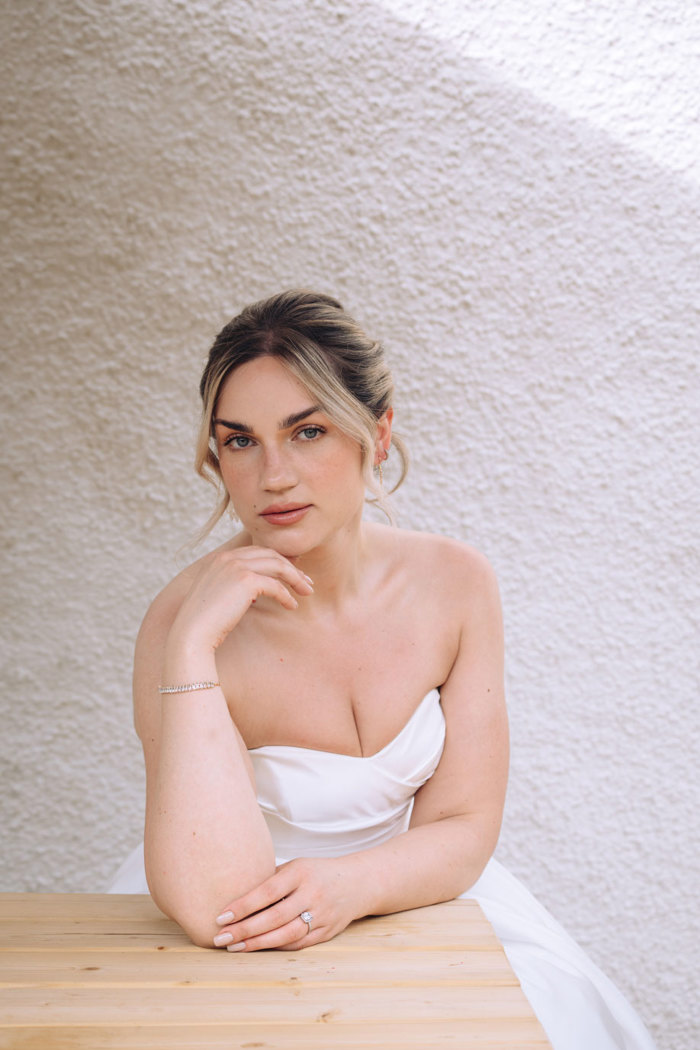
285, 514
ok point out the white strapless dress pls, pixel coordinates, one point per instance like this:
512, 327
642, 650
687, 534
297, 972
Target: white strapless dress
321, 804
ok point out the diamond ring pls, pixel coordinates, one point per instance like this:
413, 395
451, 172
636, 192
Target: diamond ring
306, 917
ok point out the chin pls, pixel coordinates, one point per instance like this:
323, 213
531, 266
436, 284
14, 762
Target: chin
287, 546
289, 550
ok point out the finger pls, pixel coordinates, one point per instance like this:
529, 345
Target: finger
260, 577
277, 916
270, 562
295, 946
281, 569
285, 937
265, 585
269, 892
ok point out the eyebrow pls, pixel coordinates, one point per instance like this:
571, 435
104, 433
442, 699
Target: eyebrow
284, 424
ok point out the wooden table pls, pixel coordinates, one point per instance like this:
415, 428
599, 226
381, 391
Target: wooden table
91, 971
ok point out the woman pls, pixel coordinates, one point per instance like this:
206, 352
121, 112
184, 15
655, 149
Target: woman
320, 700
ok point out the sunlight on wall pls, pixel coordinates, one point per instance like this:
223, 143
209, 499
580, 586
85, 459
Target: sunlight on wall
628, 68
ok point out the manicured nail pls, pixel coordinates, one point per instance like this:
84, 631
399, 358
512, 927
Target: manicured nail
236, 947
308, 579
223, 938
225, 918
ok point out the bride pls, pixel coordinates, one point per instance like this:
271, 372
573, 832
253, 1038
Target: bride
320, 700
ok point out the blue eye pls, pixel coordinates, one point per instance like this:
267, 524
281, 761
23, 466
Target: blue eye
237, 441
309, 433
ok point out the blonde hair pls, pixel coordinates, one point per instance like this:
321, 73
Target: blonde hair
342, 368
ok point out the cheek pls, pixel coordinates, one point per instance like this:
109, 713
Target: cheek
343, 476
236, 475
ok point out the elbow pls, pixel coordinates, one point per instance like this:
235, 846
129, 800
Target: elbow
479, 839
194, 920
200, 932
199, 927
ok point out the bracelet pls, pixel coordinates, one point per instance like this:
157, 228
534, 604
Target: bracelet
189, 688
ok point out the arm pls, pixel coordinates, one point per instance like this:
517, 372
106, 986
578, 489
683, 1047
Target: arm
456, 816
204, 831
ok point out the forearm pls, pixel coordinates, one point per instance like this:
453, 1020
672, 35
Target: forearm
206, 838
426, 864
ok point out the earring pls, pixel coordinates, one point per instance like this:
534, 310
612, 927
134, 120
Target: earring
379, 464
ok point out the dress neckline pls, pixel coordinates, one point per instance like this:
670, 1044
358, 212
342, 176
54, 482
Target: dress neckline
434, 693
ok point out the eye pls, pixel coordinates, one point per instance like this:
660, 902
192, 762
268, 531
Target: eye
238, 441
310, 432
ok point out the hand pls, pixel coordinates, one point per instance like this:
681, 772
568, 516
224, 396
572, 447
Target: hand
227, 584
269, 915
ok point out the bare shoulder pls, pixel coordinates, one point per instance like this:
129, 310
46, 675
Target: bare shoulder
441, 563
166, 604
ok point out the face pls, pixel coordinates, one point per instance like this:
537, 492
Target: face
294, 478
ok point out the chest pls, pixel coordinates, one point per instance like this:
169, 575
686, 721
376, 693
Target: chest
345, 687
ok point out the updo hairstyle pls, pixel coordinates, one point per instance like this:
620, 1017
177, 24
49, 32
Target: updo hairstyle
342, 368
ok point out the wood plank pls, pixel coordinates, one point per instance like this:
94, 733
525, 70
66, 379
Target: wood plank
133, 907
29, 969
46, 936
476, 1035
128, 906
255, 1006
366, 935
13, 905
58, 941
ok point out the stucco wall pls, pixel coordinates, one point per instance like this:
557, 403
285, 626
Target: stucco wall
509, 197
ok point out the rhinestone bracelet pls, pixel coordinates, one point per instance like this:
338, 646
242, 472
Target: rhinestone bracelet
189, 688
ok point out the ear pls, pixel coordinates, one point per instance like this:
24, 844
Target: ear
383, 436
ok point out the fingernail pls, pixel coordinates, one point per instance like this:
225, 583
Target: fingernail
223, 938
236, 947
308, 580
225, 917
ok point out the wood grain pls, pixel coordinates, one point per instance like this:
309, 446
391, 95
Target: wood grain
92, 972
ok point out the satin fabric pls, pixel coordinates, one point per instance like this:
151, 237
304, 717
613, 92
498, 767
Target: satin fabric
321, 804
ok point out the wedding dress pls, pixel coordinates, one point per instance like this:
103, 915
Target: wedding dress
322, 804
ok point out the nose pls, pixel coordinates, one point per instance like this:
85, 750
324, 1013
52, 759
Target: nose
277, 470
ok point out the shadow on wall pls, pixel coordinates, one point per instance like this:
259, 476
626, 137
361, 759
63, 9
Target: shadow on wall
536, 279
208, 152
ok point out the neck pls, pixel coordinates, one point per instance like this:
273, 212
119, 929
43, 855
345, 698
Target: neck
336, 568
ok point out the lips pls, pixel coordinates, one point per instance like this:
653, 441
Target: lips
285, 514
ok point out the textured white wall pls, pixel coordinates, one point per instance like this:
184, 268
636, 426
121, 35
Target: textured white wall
508, 197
